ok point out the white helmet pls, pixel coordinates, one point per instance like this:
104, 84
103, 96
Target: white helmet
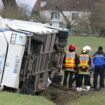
87, 48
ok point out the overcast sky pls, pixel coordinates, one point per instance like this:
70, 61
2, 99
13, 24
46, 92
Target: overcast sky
28, 3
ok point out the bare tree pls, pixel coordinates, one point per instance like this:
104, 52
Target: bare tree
79, 24
9, 2
83, 24
68, 22
97, 18
35, 16
11, 10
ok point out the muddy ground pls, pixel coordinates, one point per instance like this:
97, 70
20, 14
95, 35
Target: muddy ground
61, 96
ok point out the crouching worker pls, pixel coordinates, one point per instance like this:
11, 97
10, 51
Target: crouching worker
84, 71
70, 63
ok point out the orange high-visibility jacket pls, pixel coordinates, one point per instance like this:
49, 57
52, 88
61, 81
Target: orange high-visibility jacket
84, 59
84, 64
69, 60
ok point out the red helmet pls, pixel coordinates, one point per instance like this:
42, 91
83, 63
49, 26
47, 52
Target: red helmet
72, 47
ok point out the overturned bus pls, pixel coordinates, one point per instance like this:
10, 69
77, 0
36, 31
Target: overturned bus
30, 54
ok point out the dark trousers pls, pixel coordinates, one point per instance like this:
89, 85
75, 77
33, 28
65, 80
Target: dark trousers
80, 80
68, 78
75, 79
99, 71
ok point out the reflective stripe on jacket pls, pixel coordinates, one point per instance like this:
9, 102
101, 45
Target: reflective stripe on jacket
83, 64
70, 60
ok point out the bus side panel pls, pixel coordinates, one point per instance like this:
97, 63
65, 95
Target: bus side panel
13, 66
3, 49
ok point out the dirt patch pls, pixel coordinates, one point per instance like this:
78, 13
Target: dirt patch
61, 96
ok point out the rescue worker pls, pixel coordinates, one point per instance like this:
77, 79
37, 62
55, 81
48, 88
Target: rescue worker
70, 63
88, 49
84, 70
99, 67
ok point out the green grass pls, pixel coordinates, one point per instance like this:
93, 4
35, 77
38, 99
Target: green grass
79, 41
94, 99
7, 98
97, 98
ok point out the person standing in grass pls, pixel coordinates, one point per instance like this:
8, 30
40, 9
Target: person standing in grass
84, 70
99, 67
70, 63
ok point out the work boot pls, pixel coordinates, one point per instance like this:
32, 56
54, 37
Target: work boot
79, 89
87, 88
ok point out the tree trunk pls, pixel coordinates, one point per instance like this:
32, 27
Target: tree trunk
9, 3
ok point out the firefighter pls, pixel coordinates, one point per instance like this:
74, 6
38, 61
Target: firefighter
88, 49
99, 67
84, 70
70, 63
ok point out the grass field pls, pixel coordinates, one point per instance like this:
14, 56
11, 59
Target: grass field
7, 98
79, 41
98, 98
